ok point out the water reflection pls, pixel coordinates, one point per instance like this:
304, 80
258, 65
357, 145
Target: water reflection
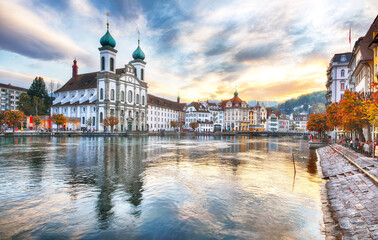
158, 188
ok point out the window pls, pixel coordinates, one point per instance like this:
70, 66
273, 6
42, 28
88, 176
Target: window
122, 96
143, 96
101, 117
102, 63
343, 73
111, 112
342, 87
83, 120
112, 94
93, 121
130, 96
101, 94
112, 64
137, 98
142, 74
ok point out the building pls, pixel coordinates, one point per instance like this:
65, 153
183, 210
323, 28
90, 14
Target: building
9, 96
283, 123
374, 46
235, 114
337, 77
257, 118
362, 62
198, 112
299, 122
271, 123
161, 112
121, 92
216, 114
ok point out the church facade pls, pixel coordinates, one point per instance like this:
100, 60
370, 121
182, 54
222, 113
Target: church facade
93, 97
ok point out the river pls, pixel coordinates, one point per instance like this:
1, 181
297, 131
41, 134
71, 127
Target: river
158, 188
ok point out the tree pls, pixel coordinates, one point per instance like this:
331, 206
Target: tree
318, 122
89, 122
334, 117
353, 113
37, 121
174, 124
31, 105
58, 119
13, 118
3, 119
111, 121
194, 125
38, 89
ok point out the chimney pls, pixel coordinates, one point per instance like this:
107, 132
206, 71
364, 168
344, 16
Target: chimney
74, 68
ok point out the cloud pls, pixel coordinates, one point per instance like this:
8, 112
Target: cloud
19, 79
256, 52
23, 32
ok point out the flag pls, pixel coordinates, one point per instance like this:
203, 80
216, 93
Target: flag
350, 33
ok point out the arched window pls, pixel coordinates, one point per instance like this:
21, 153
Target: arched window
142, 100
112, 94
101, 93
142, 74
122, 96
101, 117
102, 63
130, 96
342, 73
137, 98
111, 64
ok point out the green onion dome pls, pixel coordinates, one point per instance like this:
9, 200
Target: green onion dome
138, 54
107, 40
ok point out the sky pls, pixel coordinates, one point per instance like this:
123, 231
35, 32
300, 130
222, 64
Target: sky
205, 49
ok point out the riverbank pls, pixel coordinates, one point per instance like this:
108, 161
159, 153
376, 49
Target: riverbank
349, 196
124, 134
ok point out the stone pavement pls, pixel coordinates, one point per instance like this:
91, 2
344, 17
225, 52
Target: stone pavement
353, 196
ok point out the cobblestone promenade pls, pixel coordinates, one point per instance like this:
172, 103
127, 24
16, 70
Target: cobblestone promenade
353, 196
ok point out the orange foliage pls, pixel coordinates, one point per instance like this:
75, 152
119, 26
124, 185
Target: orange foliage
318, 122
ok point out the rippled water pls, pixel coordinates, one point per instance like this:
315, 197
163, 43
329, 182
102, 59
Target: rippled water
158, 188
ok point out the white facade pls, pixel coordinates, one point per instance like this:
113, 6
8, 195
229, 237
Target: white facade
271, 123
337, 75
108, 92
161, 112
198, 112
236, 116
9, 96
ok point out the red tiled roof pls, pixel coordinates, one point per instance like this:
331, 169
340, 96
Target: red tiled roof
157, 101
83, 81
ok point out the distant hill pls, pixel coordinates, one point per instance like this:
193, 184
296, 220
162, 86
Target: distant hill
266, 103
309, 103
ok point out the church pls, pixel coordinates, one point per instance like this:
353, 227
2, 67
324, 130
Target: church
92, 97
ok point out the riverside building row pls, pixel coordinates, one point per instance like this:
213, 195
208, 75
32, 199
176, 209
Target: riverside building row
355, 70
90, 98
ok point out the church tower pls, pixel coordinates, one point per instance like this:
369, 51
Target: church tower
107, 52
139, 62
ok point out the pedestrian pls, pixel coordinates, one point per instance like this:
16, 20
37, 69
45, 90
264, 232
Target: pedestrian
366, 148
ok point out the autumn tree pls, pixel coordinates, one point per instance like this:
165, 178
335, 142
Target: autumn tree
58, 119
353, 114
111, 122
334, 117
13, 118
194, 125
37, 121
174, 124
318, 122
3, 119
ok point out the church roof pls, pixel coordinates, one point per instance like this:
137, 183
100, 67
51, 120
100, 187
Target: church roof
83, 81
165, 103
